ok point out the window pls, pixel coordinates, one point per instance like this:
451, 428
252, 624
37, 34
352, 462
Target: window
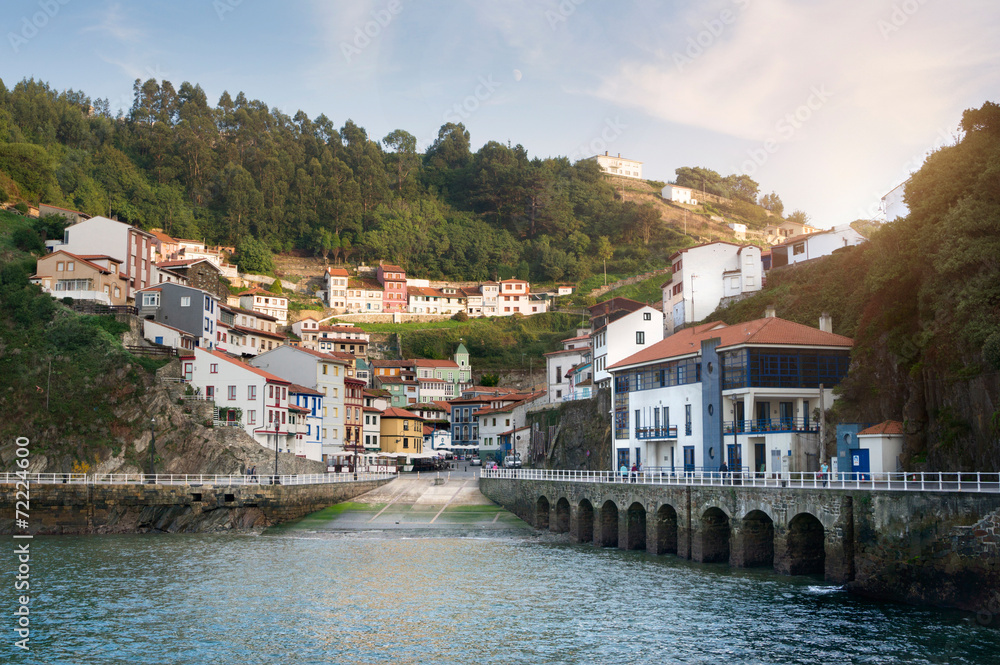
325, 367
232, 392
406, 425
251, 392
251, 417
150, 299
336, 412
185, 301
799, 248
59, 266
647, 316
214, 368
210, 392
282, 417
70, 265
640, 337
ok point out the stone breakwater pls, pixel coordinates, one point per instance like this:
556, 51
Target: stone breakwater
926, 548
87, 509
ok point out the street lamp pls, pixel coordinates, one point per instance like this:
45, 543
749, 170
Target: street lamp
275, 480
152, 443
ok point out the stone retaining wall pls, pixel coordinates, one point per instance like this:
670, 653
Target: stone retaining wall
80, 509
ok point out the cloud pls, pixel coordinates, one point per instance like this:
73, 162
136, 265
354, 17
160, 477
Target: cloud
114, 24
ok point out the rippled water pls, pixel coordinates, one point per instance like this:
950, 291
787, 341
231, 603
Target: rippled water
295, 596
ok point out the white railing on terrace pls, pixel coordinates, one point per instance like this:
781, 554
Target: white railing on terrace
192, 479
906, 482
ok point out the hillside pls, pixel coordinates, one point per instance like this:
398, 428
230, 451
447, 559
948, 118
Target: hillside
240, 172
922, 301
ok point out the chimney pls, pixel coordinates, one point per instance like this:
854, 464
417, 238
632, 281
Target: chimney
770, 312
826, 322
605, 153
619, 154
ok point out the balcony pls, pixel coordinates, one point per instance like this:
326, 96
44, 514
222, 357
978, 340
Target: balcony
766, 425
656, 432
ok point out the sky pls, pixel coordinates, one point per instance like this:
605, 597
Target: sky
829, 103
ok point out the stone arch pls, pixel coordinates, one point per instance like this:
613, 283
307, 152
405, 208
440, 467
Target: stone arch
561, 524
666, 529
712, 542
635, 527
606, 535
585, 522
755, 543
805, 550
542, 513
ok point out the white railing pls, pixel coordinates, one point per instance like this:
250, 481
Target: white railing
192, 479
896, 482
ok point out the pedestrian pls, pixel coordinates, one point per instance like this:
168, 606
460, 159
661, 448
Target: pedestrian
253, 472
624, 472
823, 470
634, 470
724, 471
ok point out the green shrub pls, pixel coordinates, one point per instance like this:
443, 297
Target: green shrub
22, 208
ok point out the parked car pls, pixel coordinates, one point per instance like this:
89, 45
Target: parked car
512, 462
476, 461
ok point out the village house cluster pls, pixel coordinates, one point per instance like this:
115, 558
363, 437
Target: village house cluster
686, 396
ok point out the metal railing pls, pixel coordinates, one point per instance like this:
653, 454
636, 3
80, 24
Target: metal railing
193, 480
662, 432
770, 425
894, 482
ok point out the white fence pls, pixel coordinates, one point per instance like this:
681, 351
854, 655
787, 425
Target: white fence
895, 482
191, 479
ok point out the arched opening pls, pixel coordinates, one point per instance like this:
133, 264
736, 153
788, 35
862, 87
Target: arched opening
805, 546
562, 516
714, 537
542, 513
608, 536
666, 530
757, 540
585, 522
636, 527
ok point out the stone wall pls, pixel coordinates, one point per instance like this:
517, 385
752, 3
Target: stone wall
933, 548
81, 509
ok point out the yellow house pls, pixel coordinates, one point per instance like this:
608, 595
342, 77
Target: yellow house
401, 432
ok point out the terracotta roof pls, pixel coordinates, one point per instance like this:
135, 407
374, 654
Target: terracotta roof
396, 412
83, 260
163, 237
361, 283
767, 331
444, 406
256, 370
240, 310
425, 291
262, 333
888, 427
426, 362
615, 304
183, 263
389, 266
319, 354
302, 390
339, 272
296, 407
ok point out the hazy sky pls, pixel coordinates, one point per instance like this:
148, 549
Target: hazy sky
830, 103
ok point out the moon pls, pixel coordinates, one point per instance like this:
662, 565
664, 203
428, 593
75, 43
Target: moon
517, 74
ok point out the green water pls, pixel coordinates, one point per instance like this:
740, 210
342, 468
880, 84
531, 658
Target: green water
474, 586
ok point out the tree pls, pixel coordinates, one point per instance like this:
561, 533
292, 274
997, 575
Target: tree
275, 287
403, 156
253, 256
489, 380
773, 203
798, 217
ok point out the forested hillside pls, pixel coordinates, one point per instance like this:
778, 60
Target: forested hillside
922, 301
240, 170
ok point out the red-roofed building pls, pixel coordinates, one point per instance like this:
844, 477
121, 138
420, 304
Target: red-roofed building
87, 277
402, 432
750, 394
244, 396
364, 295
336, 288
393, 281
265, 302
883, 444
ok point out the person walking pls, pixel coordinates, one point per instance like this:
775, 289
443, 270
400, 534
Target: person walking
634, 470
823, 470
724, 471
624, 473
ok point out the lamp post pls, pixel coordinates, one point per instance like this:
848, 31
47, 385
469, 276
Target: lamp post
152, 444
275, 479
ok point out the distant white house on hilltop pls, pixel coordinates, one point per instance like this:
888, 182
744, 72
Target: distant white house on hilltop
679, 194
619, 165
893, 205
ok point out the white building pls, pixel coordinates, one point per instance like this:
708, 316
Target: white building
491, 297
679, 194
893, 203
265, 302
498, 420
706, 274
752, 394
244, 332
250, 397
336, 288
133, 248
322, 372
814, 245
739, 230
621, 327
621, 166
559, 363
374, 405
